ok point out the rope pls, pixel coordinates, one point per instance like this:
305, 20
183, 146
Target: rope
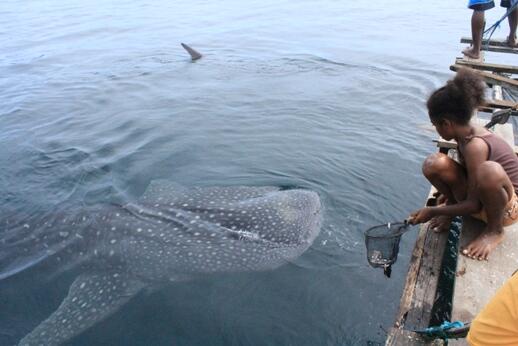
441, 331
493, 27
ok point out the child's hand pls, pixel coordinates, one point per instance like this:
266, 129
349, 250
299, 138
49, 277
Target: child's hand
421, 216
441, 199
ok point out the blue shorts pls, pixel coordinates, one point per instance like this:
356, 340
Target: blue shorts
482, 5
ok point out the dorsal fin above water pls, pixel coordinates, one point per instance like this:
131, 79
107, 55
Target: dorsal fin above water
193, 53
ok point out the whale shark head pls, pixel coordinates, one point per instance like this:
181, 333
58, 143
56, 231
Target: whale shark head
290, 217
234, 228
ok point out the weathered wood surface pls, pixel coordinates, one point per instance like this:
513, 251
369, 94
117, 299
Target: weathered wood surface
490, 78
477, 281
400, 337
417, 300
502, 104
494, 105
500, 46
493, 42
479, 59
478, 65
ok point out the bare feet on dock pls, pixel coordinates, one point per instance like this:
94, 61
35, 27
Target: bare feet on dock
440, 224
471, 53
486, 242
511, 41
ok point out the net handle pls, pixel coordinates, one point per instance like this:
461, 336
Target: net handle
404, 228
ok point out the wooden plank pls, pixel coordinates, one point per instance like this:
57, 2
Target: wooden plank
480, 58
493, 42
420, 312
442, 143
400, 337
499, 46
421, 284
502, 104
490, 78
418, 296
411, 279
500, 49
488, 67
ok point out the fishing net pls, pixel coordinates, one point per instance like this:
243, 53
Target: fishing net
382, 244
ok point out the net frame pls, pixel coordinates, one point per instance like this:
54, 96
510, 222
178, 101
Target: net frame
382, 243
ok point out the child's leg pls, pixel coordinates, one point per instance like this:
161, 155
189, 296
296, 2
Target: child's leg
477, 28
495, 191
449, 179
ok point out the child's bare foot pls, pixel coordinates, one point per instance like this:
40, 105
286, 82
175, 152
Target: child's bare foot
440, 224
511, 41
472, 53
480, 247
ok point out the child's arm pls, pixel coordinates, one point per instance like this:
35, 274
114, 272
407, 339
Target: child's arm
466, 207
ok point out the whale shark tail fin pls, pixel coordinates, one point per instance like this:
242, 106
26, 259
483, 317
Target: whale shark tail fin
91, 298
194, 54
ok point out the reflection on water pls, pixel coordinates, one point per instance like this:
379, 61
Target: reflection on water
99, 99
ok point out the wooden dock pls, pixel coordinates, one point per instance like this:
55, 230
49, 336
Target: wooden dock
475, 281
499, 46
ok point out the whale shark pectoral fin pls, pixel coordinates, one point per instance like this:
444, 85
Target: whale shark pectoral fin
91, 298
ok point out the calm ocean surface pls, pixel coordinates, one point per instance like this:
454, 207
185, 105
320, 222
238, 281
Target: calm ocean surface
98, 98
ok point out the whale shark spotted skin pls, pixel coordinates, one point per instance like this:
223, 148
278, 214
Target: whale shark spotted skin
170, 234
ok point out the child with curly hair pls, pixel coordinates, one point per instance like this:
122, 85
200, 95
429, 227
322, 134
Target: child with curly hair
484, 182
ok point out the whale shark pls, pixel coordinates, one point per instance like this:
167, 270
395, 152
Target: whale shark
170, 234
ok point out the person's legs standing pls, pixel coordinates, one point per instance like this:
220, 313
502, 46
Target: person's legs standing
513, 22
477, 26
